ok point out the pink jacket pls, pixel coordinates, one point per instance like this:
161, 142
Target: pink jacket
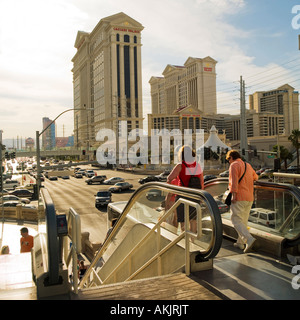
245, 188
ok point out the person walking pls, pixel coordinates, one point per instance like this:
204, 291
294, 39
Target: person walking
242, 197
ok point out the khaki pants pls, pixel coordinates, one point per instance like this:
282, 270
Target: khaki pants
239, 216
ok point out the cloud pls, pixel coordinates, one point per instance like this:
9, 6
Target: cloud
37, 44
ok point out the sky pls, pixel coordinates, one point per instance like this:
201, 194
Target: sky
255, 39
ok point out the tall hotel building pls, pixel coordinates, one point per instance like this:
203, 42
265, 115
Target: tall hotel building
185, 97
107, 78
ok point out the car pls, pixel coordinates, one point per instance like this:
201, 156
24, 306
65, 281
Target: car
11, 197
28, 186
120, 186
10, 204
292, 169
78, 175
65, 177
148, 179
268, 173
89, 173
260, 171
82, 171
263, 216
209, 177
53, 178
113, 180
163, 176
223, 208
153, 194
224, 174
10, 184
95, 179
103, 198
22, 193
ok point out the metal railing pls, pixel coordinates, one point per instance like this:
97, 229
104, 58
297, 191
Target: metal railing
187, 234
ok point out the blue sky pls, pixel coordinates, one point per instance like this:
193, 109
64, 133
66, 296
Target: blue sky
251, 38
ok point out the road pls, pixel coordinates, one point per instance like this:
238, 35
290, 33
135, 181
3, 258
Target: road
76, 193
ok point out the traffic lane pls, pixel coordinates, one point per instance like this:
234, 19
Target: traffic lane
77, 194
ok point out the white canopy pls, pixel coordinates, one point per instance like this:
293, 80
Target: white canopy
214, 141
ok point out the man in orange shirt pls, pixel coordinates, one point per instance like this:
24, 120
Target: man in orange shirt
242, 197
26, 241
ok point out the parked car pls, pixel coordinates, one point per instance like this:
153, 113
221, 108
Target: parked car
263, 216
103, 198
28, 186
224, 174
13, 204
148, 179
11, 197
90, 173
53, 178
113, 180
95, 179
65, 177
209, 177
120, 186
22, 193
10, 184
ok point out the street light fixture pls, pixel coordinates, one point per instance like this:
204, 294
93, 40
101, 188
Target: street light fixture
38, 154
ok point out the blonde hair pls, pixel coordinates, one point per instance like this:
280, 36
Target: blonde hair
5, 250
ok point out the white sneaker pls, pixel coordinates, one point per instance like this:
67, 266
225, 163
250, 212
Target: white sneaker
249, 245
239, 245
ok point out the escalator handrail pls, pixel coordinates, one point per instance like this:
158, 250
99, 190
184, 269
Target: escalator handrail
294, 190
182, 191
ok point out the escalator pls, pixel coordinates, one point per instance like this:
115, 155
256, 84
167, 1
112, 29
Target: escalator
145, 242
274, 217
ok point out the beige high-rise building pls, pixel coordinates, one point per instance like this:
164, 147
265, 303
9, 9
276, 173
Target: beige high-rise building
107, 78
193, 84
282, 101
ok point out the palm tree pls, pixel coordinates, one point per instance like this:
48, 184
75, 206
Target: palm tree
284, 154
294, 138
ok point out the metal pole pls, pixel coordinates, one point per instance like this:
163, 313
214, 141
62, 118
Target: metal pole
38, 163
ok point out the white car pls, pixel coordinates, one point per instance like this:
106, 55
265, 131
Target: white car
113, 180
263, 216
10, 197
10, 184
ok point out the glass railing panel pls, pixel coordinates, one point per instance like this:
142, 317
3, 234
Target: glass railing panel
275, 208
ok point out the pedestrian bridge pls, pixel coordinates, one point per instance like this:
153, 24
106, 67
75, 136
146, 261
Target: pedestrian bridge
148, 256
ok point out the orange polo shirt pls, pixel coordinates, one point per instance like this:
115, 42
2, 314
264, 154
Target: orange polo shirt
245, 188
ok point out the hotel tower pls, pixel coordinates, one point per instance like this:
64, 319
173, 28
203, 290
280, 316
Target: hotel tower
107, 78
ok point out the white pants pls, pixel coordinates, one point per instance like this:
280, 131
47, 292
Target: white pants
239, 217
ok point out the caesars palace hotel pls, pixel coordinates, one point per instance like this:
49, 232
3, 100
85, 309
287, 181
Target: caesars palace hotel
107, 80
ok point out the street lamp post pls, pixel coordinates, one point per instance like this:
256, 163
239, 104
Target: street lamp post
38, 154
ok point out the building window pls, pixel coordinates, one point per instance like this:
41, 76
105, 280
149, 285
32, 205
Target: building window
118, 37
126, 38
